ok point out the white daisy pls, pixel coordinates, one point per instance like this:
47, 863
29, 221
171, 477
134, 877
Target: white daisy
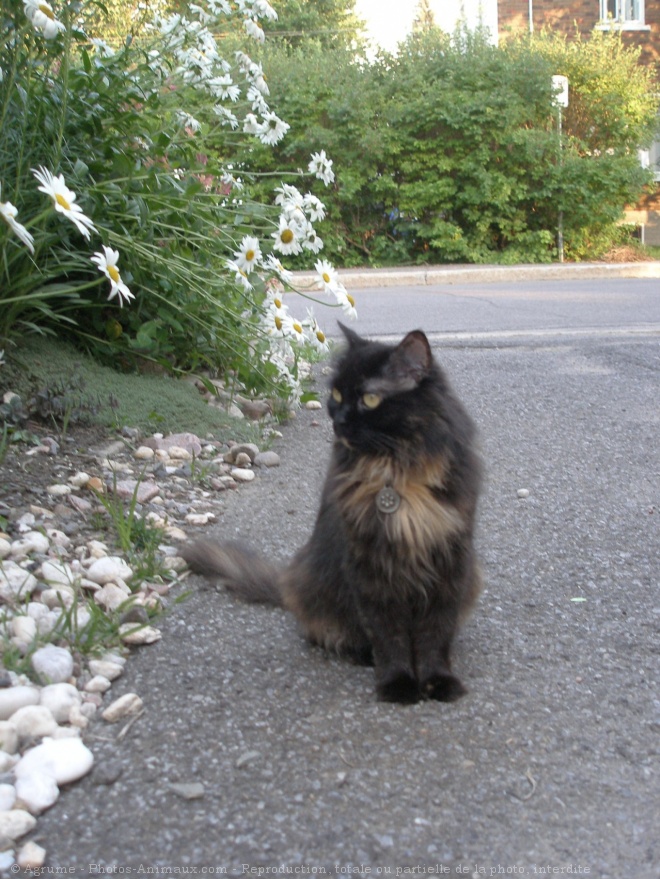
314, 207
240, 276
273, 129
107, 263
310, 240
249, 254
223, 87
41, 16
264, 9
321, 166
316, 335
254, 30
327, 275
8, 213
286, 237
64, 200
273, 264
251, 124
346, 301
226, 116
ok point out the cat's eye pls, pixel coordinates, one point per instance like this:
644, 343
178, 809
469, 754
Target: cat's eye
371, 401
336, 395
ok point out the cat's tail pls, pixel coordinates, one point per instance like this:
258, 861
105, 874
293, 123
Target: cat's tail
241, 571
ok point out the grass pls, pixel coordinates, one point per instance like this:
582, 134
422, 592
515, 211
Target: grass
150, 402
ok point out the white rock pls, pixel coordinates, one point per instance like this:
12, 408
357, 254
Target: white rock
97, 549
58, 490
107, 569
31, 541
144, 453
313, 404
36, 610
130, 634
77, 718
7, 761
175, 533
177, 453
523, 493
80, 479
24, 628
33, 722
58, 574
52, 664
242, 475
37, 791
15, 582
124, 706
55, 598
65, 760
13, 698
267, 459
109, 670
31, 856
58, 538
7, 797
111, 596
16, 823
26, 522
60, 699
5, 547
97, 684
8, 737
199, 518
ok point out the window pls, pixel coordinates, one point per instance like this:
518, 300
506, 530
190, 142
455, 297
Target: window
625, 14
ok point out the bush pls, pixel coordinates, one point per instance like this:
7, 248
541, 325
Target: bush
133, 149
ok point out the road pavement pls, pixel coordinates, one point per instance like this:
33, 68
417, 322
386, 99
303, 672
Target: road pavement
549, 766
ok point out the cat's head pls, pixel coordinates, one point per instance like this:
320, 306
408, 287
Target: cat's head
381, 394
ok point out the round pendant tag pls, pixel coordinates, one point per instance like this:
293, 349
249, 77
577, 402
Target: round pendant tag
388, 500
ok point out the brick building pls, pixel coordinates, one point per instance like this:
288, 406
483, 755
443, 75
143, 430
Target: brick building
639, 24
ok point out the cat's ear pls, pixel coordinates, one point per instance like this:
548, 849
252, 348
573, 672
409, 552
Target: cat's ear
412, 358
351, 336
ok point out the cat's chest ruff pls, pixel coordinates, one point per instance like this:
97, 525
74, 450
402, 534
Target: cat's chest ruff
403, 504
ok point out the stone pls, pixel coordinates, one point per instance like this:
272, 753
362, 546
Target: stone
15, 581
96, 484
5, 547
7, 797
81, 504
55, 598
243, 460
187, 441
109, 670
65, 760
130, 634
8, 737
247, 757
60, 699
97, 684
143, 492
111, 596
7, 762
80, 479
24, 629
250, 449
199, 518
522, 493
31, 856
13, 698
193, 790
31, 541
58, 574
15, 823
267, 459
58, 538
37, 792
33, 722
241, 475
107, 569
59, 490
313, 404
52, 664
177, 453
124, 706
144, 453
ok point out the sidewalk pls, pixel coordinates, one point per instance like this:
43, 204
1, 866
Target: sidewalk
418, 276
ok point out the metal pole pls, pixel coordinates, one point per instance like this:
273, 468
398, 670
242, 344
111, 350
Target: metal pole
560, 218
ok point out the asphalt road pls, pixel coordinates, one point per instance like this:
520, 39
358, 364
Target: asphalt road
549, 766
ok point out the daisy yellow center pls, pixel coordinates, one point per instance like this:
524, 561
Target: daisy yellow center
249, 255
62, 202
350, 299
326, 277
320, 336
287, 236
114, 274
278, 322
47, 11
297, 327
277, 303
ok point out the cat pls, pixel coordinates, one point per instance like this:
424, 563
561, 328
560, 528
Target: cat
389, 572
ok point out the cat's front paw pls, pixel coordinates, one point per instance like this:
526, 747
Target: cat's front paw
443, 687
399, 686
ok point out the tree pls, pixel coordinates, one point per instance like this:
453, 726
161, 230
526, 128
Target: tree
330, 23
424, 18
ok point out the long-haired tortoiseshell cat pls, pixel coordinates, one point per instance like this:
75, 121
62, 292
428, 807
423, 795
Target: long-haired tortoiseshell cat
389, 571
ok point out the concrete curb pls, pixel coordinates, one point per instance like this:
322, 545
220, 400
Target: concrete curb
463, 274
